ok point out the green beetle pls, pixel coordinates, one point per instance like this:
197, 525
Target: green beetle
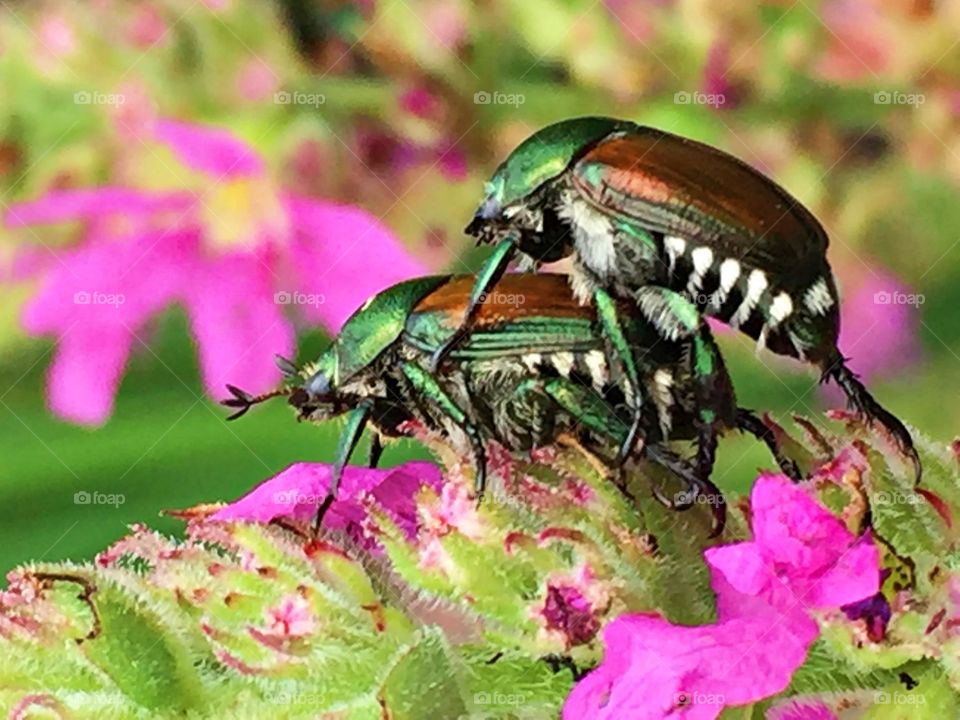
635, 206
534, 365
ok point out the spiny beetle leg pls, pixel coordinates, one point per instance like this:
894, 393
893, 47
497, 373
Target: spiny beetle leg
748, 422
863, 403
376, 451
706, 448
696, 486
356, 421
424, 383
610, 322
488, 276
586, 407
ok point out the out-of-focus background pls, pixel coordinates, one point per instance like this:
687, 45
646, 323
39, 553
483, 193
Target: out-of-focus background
402, 108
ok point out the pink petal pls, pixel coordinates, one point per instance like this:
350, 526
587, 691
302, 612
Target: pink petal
238, 324
109, 283
96, 298
801, 557
855, 576
343, 255
297, 491
86, 371
89, 203
654, 670
208, 149
793, 528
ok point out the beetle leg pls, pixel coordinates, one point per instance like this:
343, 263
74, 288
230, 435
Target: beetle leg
610, 322
862, 401
586, 407
376, 450
424, 383
676, 318
697, 485
488, 276
356, 421
595, 415
748, 422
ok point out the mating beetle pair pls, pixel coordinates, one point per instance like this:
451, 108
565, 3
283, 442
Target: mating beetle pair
661, 230
534, 365
635, 206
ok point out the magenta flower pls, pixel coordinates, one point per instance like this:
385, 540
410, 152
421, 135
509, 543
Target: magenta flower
801, 559
233, 269
295, 494
292, 617
879, 324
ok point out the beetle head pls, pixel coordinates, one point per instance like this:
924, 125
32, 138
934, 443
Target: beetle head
519, 196
316, 397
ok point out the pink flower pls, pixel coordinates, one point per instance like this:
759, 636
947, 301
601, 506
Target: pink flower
879, 323
233, 270
293, 617
256, 80
572, 606
801, 559
716, 77
147, 27
861, 42
296, 492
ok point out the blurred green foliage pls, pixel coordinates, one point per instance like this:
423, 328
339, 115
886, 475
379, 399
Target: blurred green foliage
399, 83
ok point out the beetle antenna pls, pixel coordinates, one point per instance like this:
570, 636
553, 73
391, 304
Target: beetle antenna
287, 367
244, 401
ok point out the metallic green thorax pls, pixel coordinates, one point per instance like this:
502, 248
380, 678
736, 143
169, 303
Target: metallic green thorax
542, 156
372, 329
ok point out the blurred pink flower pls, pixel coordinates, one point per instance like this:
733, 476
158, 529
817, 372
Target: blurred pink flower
143, 251
256, 80
801, 559
636, 18
879, 323
147, 27
296, 492
716, 77
432, 112
860, 44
